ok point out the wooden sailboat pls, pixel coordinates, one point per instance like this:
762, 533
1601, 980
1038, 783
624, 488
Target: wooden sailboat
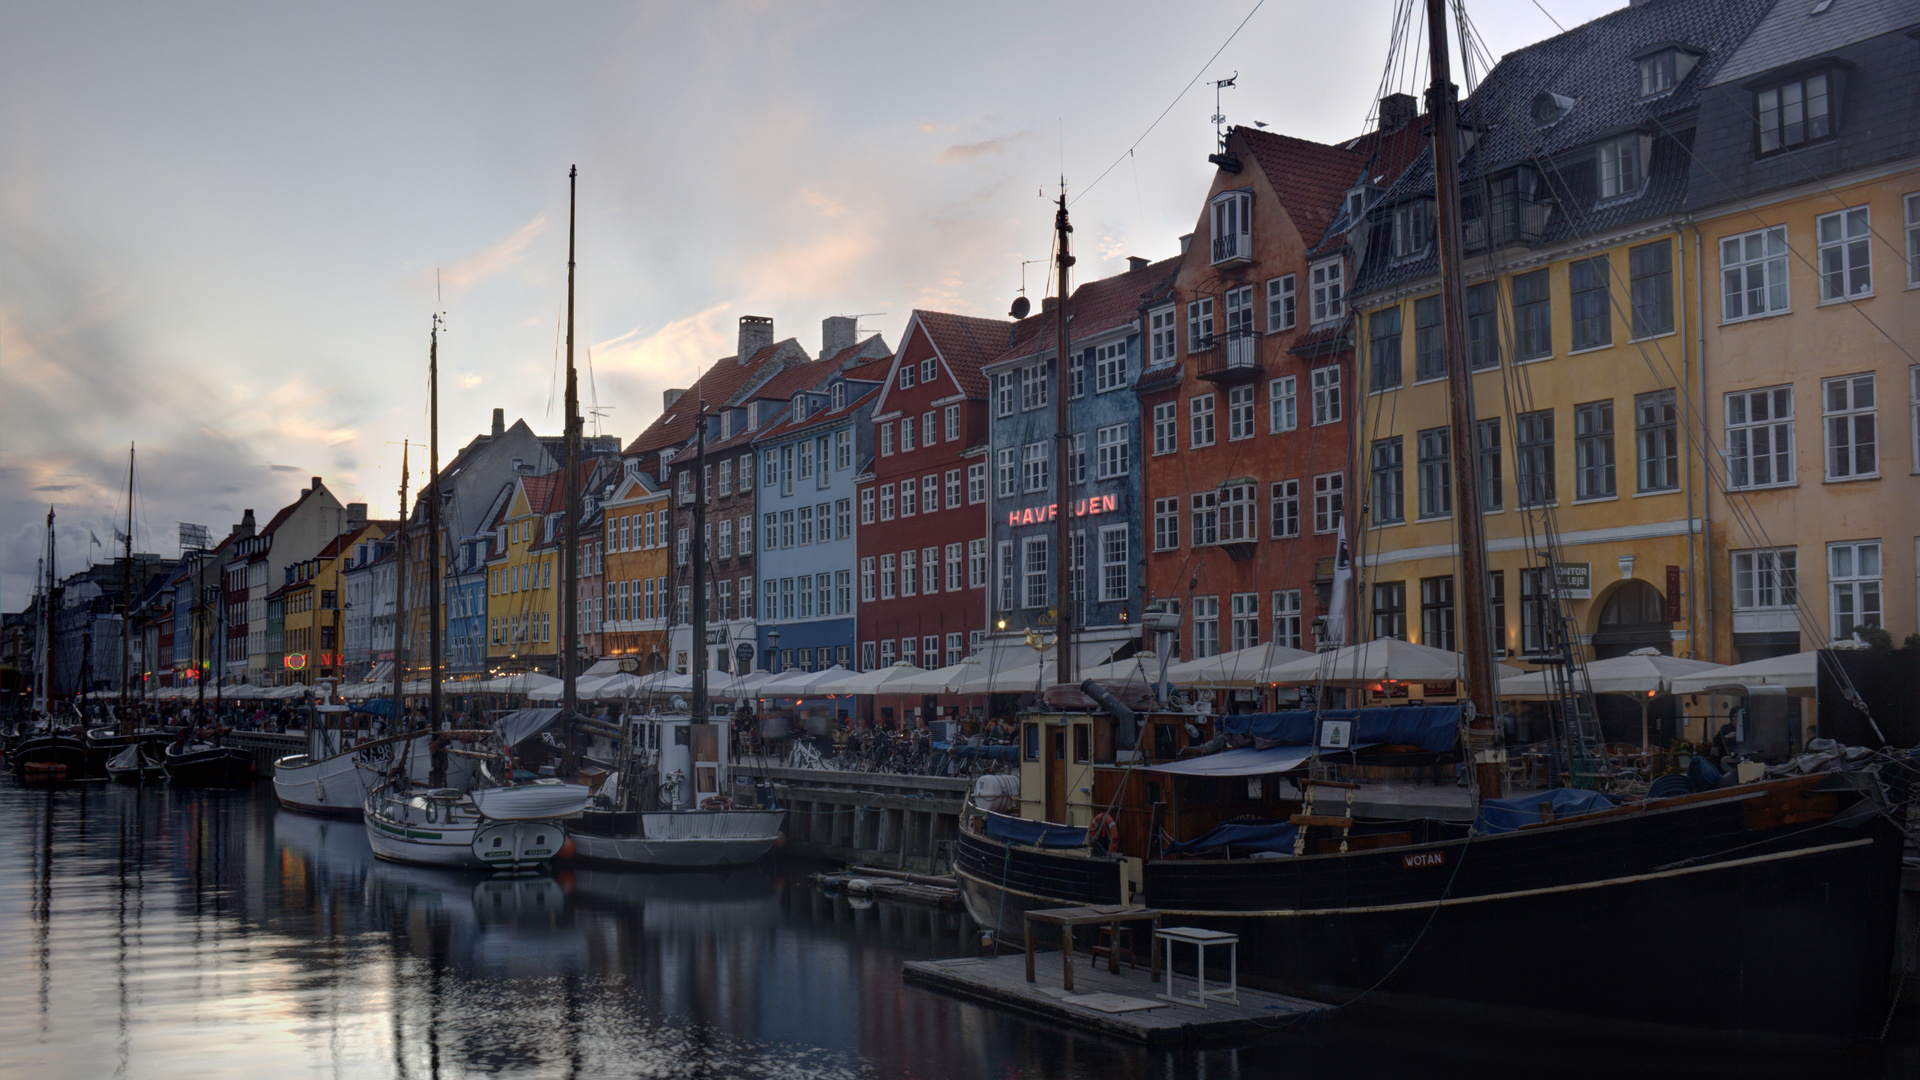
48, 749
108, 743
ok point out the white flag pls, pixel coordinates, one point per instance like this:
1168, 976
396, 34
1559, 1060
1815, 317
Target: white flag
1342, 586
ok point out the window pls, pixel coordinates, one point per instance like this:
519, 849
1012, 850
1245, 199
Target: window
1913, 239
886, 502
1206, 627
909, 573
1109, 367
1113, 563
1166, 436
886, 577
1497, 611
726, 479
1035, 474
1483, 327
1913, 412
953, 488
1412, 227
803, 609
866, 506
745, 532
1593, 450
1007, 574
1487, 437
1753, 274
1200, 324
1003, 394
1206, 518
907, 372
1846, 257
1006, 475
680, 547
909, 497
1286, 618
1436, 612
1387, 461
1592, 312
726, 540
887, 653
843, 517
1657, 73
953, 423
1436, 473
1280, 303
1853, 575
930, 570
1383, 349
1650, 274
1232, 214
953, 649
1532, 317
1760, 438
1283, 405
1240, 413
1037, 565
1533, 448
1200, 420
1329, 501
886, 440
1390, 609
1245, 625
1657, 434
1324, 291
1620, 171
867, 579
1077, 458
1326, 395
1111, 452
1539, 611
1166, 524
977, 563
1237, 523
1766, 578
1852, 441
1161, 329
786, 529
906, 433
1033, 387
746, 472
1429, 340
954, 567
977, 482
1286, 508
1239, 328
929, 370
1793, 113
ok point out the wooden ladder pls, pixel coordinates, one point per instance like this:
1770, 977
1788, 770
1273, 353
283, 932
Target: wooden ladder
1307, 819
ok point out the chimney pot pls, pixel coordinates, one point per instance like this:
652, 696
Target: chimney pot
499, 422
316, 483
1185, 243
837, 332
1136, 262
667, 398
1048, 303
1396, 110
756, 333
356, 516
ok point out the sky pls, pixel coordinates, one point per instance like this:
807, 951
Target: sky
224, 228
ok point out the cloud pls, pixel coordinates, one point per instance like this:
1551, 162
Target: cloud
488, 262
822, 202
969, 151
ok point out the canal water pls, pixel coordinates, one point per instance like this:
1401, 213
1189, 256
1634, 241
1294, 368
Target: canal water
166, 932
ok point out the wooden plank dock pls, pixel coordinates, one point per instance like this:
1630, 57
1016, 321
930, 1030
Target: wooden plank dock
1126, 1005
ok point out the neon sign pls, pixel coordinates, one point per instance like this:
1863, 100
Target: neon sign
1035, 515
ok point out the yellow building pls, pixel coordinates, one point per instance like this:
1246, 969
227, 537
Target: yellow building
634, 616
523, 577
312, 634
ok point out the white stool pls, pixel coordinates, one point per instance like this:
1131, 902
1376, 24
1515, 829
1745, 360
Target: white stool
1200, 939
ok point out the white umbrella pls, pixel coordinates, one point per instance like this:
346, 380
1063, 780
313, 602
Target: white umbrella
798, 683
831, 681
1381, 658
1641, 674
898, 677
524, 683
1795, 673
1242, 669
992, 679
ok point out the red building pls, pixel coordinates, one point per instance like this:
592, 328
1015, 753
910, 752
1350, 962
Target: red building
922, 527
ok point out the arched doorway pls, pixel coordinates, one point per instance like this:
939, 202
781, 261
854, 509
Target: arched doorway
1633, 616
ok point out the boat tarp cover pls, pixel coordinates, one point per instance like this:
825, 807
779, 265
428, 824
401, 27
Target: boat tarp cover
1015, 830
1435, 728
1506, 815
520, 725
992, 753
1243, 762
378, 707
1274, 836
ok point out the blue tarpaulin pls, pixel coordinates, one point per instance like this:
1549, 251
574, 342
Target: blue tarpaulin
1431, 727
1506, 815
1015, 830
378, 707
992, 753
1276, 836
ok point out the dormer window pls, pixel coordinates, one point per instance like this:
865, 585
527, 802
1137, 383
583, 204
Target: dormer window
839, 395
1549, 107
1663, 67
799, 406
906, 376
1622, 166
1356, 202
1412, 227
1232, 227
753, 416
1794, 113
726, 423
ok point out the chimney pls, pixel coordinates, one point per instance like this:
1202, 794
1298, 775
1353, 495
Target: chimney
756, 333
1185, 243
499, 422
317, 486
1397, 110
356, 516
1048, 303
1136, 262
246, 525
837, 332
669, 397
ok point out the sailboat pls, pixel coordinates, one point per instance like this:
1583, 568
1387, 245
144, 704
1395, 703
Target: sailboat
48, 750
108, 744
1793, 882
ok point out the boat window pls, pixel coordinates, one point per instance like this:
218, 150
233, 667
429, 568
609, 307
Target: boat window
1033, 741
1165, 745
682, 736
1082, 742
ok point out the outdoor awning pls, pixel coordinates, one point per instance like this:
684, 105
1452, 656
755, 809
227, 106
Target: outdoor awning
1381, 658
1796, 673
1242, 669
522, 724
1642, 671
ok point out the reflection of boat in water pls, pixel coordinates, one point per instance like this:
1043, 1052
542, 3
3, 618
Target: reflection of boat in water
714, 901
517, 924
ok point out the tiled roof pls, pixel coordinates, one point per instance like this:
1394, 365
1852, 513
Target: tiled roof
721, 382
1329, 338
791, 380
966, 343
788, 426
1794, 32
1308, 177
1095, 307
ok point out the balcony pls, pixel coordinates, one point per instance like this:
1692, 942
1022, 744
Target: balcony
1232, 248
1232, 360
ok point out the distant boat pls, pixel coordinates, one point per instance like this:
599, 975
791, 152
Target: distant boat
136, 763
649, 814
342, 764
446, 826
198, 763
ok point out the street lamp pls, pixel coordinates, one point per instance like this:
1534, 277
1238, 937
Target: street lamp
773, 636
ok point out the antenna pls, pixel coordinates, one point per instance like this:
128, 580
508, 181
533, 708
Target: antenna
863, 315
1219, 115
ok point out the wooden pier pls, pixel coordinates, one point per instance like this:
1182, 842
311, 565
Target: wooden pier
1126, 1005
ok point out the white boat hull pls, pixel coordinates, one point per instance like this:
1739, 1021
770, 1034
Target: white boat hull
690, 838
537, 801
443, 828
340, 784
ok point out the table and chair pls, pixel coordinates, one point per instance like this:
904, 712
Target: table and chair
1112, 919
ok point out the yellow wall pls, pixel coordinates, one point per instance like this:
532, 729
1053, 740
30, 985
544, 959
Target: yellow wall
631, 560
523, 587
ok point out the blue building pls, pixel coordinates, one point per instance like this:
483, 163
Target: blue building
808, 460
1102, 464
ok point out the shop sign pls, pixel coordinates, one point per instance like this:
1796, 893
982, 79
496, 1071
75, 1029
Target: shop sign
1038, 515
1575, 579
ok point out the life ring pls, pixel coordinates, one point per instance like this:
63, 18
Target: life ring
1106, 831
716, 802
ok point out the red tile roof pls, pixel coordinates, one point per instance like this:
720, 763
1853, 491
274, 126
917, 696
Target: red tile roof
1309, 177
720, 382
966, 343
791, 380
1095, 306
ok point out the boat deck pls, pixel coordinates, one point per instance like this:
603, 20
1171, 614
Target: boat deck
1126, 1005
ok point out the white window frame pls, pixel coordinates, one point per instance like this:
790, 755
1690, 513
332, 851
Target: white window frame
1009, 575
1282, 304
1765, 579
1327, 401
952, 423
1283, 404
1754, 263
1006, 476
1244, 615
1077, 458
1239, 513
976, 483
1287, 629
1843, 425
1035, 387
1200, 324
1846, 254
1166, 427
1329, 502
1163, 332
1204, 530
953, 489
1112, 452
1283, 507
1326, 291
1200, 421
1622, 165
1206, 626
954, 566
1240, 422
1115, 558
866, 506
1004, 398
1166, 524
869, 578
887, 576
1849, 586
1036, 581
1036, 468
910, 572
1740, 437
1230, 224
1109, 367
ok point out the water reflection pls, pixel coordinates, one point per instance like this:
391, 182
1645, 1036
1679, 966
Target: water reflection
165, 932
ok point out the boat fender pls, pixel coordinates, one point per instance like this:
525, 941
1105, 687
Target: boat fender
716, 802
567, 849
319, 790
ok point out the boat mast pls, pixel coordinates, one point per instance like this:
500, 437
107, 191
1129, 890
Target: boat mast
1476, 642
435, 580
400, 593
698, 541
126, 592
46, 620
1063, 559
570, 549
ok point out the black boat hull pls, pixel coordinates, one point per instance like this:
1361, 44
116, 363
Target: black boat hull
216, 766
999, 883
56, 749
1766, 914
